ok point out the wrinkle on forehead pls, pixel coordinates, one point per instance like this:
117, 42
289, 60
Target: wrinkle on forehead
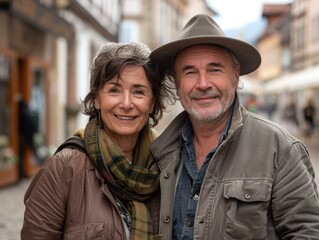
200, 53
196, 52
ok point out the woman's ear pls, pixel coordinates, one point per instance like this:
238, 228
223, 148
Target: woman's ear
152, 105
97, 103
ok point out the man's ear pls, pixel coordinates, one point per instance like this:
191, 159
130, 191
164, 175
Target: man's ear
237, 75
176, 87
177, 92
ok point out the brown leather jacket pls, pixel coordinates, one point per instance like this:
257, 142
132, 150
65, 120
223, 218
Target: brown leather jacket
68, 199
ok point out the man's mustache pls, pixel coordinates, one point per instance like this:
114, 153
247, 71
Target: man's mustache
205, 94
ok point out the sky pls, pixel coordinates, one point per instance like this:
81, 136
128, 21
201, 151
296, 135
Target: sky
234, 14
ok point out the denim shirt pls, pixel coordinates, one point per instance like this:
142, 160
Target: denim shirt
189, 183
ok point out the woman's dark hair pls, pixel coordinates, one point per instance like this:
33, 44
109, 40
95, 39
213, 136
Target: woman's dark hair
110, 62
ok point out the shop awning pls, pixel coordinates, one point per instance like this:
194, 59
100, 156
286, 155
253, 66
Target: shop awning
249, 86
304, 79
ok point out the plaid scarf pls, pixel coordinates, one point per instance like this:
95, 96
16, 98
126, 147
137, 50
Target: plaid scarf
130, 183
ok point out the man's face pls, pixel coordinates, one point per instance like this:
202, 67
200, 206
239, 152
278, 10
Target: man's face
206, 81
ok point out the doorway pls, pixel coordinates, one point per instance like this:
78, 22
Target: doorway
33, 119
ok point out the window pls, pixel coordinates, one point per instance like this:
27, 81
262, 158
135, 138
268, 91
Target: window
129, 31
4, 89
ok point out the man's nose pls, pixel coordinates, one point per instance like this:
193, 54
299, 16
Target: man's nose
203, 82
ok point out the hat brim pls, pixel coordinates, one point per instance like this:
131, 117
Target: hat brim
247, 55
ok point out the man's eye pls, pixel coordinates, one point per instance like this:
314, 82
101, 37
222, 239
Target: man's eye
190, 73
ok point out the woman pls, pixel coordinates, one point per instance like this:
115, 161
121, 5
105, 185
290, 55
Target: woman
110, 191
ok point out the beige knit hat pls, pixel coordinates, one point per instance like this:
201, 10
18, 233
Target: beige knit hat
112, 50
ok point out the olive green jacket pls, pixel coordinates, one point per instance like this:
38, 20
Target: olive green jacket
259, 183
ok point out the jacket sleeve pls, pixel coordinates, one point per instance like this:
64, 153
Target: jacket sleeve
45, 202
295, 203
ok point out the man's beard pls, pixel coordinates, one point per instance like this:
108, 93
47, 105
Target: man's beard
213, 113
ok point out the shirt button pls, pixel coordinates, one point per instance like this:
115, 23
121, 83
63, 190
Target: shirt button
247, 196
167, 219
166, 175
195, 197
189, 223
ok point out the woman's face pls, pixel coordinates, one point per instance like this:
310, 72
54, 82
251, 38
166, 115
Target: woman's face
126, 103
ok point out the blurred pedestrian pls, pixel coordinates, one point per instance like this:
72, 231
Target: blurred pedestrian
290, 113
227, 173
251, 104
105, 185
309, 115
270, 106
27, 131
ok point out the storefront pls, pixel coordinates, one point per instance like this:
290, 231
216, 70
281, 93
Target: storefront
28, 56
8, 131
298, 87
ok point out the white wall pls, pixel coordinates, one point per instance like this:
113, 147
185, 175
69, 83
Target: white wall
61, 75
85, 39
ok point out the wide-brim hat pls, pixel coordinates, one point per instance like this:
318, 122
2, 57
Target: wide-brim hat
202, 29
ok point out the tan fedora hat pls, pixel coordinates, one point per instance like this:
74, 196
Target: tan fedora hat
202, 29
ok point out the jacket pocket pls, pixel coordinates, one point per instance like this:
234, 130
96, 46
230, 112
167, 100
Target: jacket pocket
247, 204
88, 231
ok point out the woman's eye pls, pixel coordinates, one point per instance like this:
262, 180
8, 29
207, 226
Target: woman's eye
114, 90
139, 92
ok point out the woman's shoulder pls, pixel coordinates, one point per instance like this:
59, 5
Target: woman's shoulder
73, 158
68, 160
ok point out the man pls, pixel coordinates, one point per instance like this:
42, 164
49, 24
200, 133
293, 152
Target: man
309, 117
227, 173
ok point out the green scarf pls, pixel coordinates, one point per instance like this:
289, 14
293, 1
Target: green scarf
130, 183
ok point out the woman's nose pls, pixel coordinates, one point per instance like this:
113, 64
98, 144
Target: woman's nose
126, 101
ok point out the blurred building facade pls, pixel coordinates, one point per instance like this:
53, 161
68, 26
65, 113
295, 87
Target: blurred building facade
156, 22
47, 46
33, 53
46, 49
274, 43
95, 22
290, 51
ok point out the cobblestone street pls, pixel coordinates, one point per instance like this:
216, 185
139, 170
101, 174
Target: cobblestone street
12, 207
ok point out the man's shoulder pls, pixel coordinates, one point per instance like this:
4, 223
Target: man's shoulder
170, 137
267, 129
